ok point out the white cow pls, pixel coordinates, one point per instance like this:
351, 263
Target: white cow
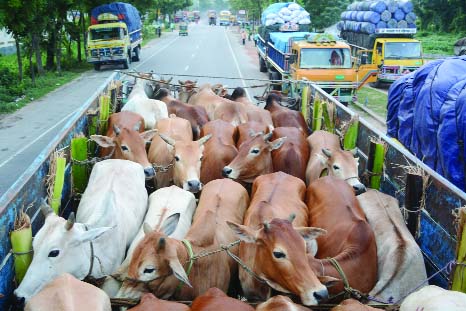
151, 110
163, 203
66, 293
115, 200
400, 263
434, 298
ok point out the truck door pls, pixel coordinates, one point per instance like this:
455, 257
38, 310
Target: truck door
378, 53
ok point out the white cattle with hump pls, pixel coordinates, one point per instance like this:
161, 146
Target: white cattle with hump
434, 298
108, 218
163, 203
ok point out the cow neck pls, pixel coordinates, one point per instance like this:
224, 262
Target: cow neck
325, 267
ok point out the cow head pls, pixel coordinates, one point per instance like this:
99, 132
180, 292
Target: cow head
130, 145
155, 265
188, 159
281, 258
254, 158
60, 246
187, 89
343, 164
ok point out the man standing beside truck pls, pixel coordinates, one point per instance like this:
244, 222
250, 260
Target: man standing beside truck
115, 35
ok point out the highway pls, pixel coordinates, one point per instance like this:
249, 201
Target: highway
208, 51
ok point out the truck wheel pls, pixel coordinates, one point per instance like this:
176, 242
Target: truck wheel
262, 65
137, 52
96, 67
127, 62
275, 75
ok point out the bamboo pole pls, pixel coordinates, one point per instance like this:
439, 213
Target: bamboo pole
328, 116
21, 245
79, 172
104, 104
351, 135
413, 201
375, 163
317, 115
305, 101
59, 180
459, 276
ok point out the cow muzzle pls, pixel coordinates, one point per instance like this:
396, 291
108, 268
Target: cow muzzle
359, 188
149, 172
314, 297
227, 171
193, 186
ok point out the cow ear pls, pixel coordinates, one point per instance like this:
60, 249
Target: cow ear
328, 281
103, 141
277, 143
244, 233
178, 271
92, 234
167, 139
148, 135
309, 235
170, 224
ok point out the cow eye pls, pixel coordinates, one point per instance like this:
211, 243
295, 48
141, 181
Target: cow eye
177, 158
279, 255
255, 150
124, 148
336, 167
54, 253
149, 270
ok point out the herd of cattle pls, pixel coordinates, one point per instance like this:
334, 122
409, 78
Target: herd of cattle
302, 233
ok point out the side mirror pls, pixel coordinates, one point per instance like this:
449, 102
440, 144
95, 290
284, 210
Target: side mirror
292, 59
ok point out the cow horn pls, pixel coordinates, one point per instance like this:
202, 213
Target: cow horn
327, 152
194, 82
137, 126
167, 139
45, 208
180, 82
161, 244
117, 130
204, 139
70, 222
267, 136
266, 226
169, 80
146, 228
292, 217
354, 152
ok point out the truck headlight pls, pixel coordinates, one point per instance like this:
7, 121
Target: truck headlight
94, 53
117, 50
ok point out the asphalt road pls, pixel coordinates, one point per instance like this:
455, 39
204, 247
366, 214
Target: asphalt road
206, 51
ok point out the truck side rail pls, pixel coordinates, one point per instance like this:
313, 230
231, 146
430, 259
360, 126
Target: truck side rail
279, 58
27, 192
437, 232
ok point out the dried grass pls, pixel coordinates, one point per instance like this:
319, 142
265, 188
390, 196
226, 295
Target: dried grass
49, 181
22, 221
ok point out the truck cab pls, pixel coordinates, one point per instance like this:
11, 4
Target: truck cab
224, 18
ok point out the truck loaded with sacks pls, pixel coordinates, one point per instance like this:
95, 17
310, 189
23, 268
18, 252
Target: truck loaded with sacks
383, 31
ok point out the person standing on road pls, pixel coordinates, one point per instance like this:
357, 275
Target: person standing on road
243, 36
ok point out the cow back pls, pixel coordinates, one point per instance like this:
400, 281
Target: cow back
214, 299
150, 303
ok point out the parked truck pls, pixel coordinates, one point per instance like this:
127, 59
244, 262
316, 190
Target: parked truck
212, 15
224, 18
395, 52
115, 35
321, 58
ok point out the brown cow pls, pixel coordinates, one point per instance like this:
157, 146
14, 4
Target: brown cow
280, 303
162, 154
157, 263
196, 115
352, 305
150, 303
293, 156
249, 129
254, 158
187, 89
327, 157
219, 150
68, 293
254, 112
284, 117
273, 195
215, 300
126, 137
218, 107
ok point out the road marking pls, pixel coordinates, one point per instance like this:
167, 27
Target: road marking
156, 52
186, 68
237, 67
37, 138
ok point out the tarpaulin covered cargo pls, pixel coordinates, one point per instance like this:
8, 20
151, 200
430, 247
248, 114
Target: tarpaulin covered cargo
125, 13
426, 114
281, 40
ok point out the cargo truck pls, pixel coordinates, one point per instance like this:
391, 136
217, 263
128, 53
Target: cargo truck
224, 18
394, 51
321, 58
212, 15
115, 35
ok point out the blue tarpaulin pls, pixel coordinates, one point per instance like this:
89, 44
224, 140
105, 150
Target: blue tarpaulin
281, 40
427, 114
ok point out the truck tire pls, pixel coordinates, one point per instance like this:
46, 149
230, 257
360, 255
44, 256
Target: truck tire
127, 61
96, 67
275, 75
262, 65
137, 53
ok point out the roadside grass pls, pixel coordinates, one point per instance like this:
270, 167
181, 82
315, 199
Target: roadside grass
374, 100
438, 43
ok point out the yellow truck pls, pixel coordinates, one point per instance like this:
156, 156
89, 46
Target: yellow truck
394, 51
224, 18
115, 35
321, 58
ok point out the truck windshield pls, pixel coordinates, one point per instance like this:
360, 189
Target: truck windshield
106, 34
402, 50
325, 58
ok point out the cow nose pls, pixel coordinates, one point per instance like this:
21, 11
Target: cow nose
194, 185
149, 172
321, 295
19, 302
359, 189
226, 171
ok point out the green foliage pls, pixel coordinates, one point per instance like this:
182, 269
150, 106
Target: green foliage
438, 43
324, 15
